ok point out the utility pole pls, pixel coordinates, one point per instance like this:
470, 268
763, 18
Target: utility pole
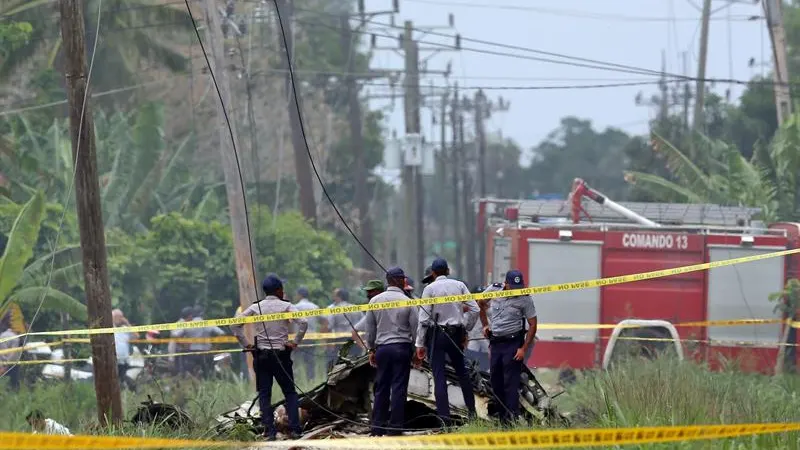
456, 150
228, 142
441, 177
466, 198
302, 162
481, 113
783, 100
414, 243
701, 68
662, 84
483, 109
90, 214
480, 136
357, 141
687, 91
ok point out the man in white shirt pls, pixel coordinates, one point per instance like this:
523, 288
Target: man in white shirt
39, 424
122, 344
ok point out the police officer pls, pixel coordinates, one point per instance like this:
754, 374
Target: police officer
478, 345
443, 331
272, 354
309, 354
181, 364
202, 363
390, 334
508, 343
371, 288
428, 276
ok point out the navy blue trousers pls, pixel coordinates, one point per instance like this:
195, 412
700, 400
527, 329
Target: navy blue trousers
505, 373
391, 388
276, 365
442, 347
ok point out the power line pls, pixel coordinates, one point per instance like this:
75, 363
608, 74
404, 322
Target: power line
241, 180
592, 63
572, 13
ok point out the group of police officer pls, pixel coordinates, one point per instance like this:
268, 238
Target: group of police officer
398, 338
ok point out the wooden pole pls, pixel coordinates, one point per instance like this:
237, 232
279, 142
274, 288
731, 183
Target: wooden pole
357, 141
701, 68
90, 215
230, 168
302, 162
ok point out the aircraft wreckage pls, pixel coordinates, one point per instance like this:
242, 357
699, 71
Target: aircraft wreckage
342, 405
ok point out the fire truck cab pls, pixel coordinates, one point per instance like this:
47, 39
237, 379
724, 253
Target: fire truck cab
556, 242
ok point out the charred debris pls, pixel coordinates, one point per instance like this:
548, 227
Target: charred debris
342, 405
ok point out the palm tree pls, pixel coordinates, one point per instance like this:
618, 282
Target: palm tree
721, 175
131, 31
23, 283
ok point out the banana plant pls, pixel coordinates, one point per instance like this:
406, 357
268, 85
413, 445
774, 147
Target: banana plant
23, 283
721, 175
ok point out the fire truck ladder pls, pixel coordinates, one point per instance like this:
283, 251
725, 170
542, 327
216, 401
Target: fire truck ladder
580, 189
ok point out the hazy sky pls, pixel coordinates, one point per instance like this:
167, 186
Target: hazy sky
630, 32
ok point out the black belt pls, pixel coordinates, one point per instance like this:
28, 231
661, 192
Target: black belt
515, 336
452, 329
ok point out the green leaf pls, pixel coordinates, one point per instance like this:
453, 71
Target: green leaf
659, 185
21, 240
54, 300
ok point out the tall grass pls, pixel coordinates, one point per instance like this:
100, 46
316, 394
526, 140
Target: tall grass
74, 405
664, 392
667, 392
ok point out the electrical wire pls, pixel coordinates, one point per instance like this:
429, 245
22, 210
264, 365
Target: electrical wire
241, 180
567, 13
71, 184
325, 191
570, 60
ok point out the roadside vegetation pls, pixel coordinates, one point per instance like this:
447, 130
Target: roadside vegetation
664, 392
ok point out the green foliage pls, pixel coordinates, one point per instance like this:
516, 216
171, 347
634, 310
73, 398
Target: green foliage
669, 392
720, 174
128, 40
300, 254
189, 262
576, 150
12, 36
21, 282
141, 175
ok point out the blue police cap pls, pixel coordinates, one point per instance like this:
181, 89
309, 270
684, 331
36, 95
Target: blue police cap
395, 273
439, 265
515, 280
271, 284
302, 291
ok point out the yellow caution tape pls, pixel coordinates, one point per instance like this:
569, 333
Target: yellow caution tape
154, 355
489, 441
562, 287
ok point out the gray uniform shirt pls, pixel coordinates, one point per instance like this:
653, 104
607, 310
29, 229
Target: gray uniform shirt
391, 326
362, 324
199, 333
448, 313
338, 324
275, 334
506, 315
477, 341
306, 305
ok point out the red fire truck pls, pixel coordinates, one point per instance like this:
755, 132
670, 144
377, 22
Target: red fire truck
591, 236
